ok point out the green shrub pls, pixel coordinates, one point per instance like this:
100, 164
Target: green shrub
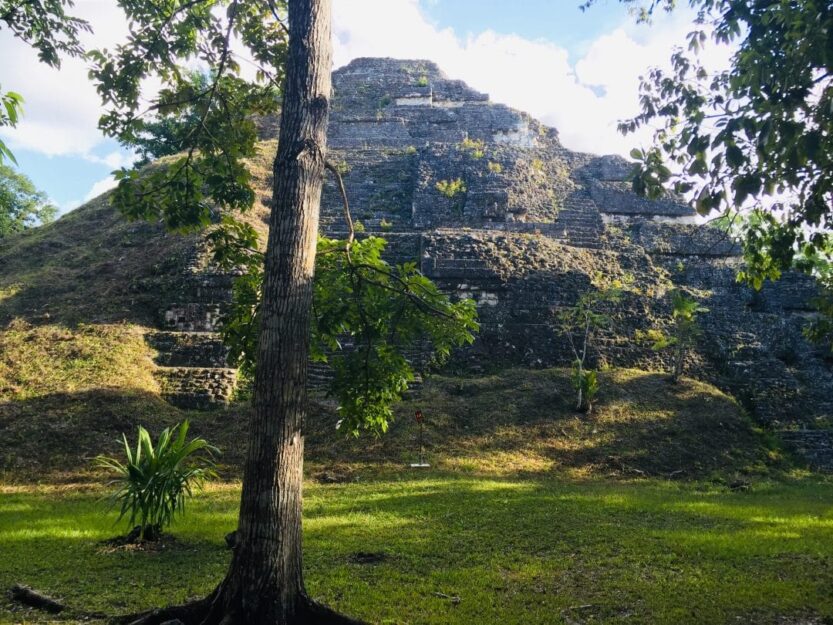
586, 385
451, 188
422, 81
475, 147
684, 333
154, 482
581, 323
495, 168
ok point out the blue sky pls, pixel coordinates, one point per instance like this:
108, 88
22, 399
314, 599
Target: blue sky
574, 70
560, 21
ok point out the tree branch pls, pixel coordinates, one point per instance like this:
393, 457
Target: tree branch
351, 232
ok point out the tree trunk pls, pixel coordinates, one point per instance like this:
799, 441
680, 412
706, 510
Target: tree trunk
679, 360
265, 580
264, 584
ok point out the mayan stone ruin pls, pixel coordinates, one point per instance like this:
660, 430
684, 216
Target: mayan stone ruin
493, 207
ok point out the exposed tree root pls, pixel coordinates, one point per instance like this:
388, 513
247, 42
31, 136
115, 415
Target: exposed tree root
318, 614
209, 611
32, 598
187, 613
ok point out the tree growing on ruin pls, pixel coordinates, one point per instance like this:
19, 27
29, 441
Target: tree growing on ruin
683, 334
820, 328
581, 324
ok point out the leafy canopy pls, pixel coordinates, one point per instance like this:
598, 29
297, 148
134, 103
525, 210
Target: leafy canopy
167, 135
21, 204
756, 140
214, 118
373, 323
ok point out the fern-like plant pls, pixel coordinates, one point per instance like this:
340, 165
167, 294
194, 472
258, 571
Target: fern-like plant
155, 480
586, 385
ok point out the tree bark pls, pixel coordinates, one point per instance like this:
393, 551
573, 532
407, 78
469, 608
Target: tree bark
264, 584
265, 580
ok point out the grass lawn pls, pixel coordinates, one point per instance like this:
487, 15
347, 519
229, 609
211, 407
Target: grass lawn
513, 550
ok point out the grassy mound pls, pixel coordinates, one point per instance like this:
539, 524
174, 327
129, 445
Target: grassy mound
523, 421
90, 266
67, 394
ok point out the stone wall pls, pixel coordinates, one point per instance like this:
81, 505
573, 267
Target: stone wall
191, 359
531, 227
537, 222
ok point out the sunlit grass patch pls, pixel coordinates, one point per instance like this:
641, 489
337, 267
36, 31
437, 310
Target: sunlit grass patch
36, 361
531, 551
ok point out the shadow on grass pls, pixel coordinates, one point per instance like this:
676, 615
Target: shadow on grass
61, 433
520, 422
650, 549
523, 422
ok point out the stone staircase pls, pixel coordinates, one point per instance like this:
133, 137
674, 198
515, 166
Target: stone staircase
191, 359
579, 222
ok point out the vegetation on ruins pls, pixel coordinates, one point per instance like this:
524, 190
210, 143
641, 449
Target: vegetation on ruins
586, 385
451, 188
682, 336
155, 480
580, 324
757, 136
21, 204
820, 329
820, 263
475, 148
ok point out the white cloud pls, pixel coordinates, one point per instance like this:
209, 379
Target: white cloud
114, 160
583, 98
61, 107
67, 206
97, 188
102, 186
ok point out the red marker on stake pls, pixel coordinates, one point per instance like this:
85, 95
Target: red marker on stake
421, 464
